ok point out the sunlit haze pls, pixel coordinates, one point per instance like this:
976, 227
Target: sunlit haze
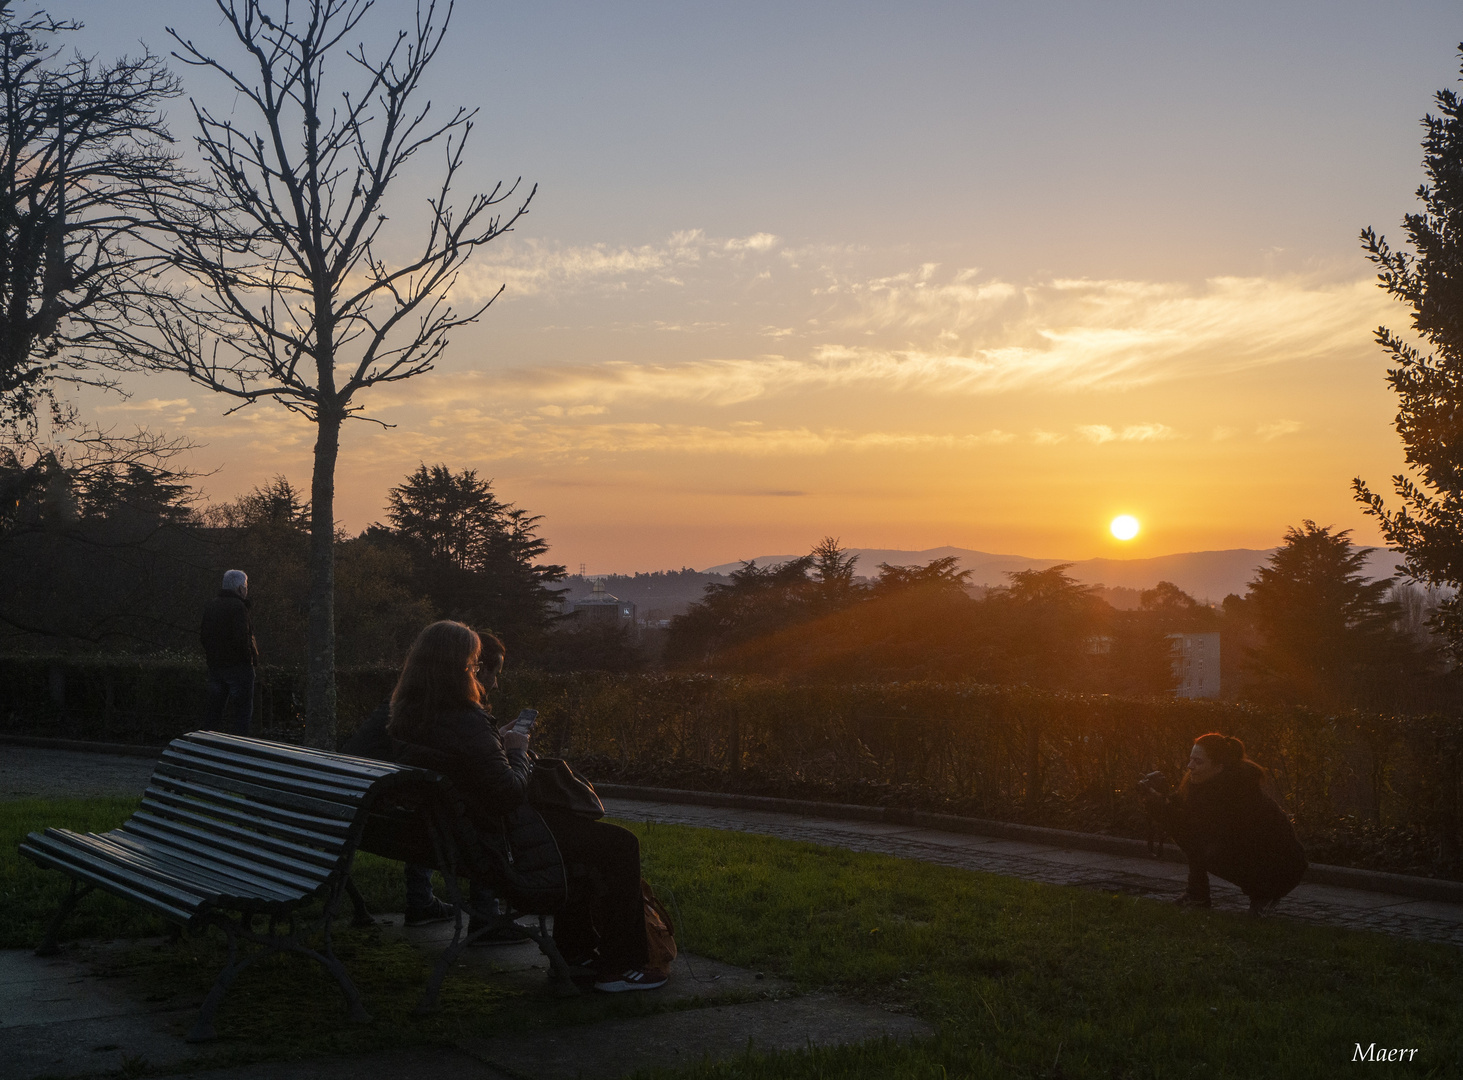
978, 274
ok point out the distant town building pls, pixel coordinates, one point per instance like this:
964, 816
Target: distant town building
601, 608
1196, 665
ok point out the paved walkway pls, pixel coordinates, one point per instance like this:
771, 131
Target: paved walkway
29, 772
58, 1018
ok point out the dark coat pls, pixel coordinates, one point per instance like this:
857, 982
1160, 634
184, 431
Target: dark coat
371, 739
1233, 829
465, 747
227, 632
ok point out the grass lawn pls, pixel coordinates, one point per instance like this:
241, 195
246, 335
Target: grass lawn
1019, 979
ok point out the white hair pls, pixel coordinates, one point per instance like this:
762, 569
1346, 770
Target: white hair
235, 580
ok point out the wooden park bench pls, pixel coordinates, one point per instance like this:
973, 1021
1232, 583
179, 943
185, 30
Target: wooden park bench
233, 832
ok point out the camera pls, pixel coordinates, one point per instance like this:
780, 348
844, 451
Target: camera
1154, 783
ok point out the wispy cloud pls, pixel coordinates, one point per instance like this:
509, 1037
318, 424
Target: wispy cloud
1102, 433
169, 410
965, 336
532, 268
1278, 429
475, 432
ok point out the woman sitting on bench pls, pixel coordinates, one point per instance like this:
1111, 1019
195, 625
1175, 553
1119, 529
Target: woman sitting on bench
440, 705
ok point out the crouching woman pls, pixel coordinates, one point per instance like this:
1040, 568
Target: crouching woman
1227, 824
440, 718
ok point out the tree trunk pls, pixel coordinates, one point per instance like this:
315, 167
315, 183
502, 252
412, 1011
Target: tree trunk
320, 637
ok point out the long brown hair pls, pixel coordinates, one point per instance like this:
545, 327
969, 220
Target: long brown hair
1222, 749
440, 675
1229, 752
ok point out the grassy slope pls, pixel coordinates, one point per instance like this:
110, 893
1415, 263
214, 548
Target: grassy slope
1019, 979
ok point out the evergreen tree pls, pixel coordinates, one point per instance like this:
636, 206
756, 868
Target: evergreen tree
1045, 629
756, 602
1427, 526
1328, 635
476, 556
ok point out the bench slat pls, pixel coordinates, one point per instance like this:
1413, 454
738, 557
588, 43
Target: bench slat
224, 862
64, 853
325, 856
328, 784
331, 825
182, 835
324, 780
324, 761
269, 796
227, 881
233, 771
241, 815
188, 877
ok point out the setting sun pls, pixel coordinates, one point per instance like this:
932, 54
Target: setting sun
1124, 526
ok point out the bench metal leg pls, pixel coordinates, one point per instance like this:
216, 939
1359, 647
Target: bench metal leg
355, 1007
203, 1029
49, 945
428, 1003
559, 973
361, 916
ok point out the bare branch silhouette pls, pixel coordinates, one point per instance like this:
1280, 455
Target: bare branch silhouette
301, 302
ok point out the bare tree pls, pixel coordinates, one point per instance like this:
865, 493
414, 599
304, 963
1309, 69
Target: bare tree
302, 303
86, 157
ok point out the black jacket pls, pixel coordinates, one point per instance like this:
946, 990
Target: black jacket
465, 747
371, 739
228, 632
1238, 832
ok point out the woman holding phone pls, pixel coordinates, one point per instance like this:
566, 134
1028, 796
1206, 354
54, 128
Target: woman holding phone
440, 706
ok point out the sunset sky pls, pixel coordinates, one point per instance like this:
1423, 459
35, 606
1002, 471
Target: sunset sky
981, 274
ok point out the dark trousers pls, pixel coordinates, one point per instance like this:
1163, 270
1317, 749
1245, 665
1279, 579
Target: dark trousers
231, 686
606, 910
419, 893
1209, 858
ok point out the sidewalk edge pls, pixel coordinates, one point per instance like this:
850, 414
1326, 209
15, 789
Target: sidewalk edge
81, 746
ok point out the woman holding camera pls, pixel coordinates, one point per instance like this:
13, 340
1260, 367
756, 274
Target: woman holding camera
1227, 824
440, 718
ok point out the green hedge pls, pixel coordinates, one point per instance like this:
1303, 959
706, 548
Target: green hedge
1377, 790
153, 699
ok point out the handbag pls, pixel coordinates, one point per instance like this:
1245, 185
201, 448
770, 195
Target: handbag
554, 785
660, 933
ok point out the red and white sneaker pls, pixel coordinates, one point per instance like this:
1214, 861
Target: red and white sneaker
634, 979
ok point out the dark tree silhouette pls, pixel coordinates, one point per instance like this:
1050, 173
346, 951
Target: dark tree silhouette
452, 517
302, 304
477, 557
833, 572
85, 161
756, 602
1427, 526
1044, 625
1328, 635
938, 575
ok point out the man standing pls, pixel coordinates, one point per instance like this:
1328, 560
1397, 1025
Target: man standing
228, 643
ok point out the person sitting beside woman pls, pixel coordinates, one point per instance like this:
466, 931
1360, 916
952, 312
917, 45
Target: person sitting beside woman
440, 714
1227, 823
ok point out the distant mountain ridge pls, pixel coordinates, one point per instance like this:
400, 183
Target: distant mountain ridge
1204, 575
